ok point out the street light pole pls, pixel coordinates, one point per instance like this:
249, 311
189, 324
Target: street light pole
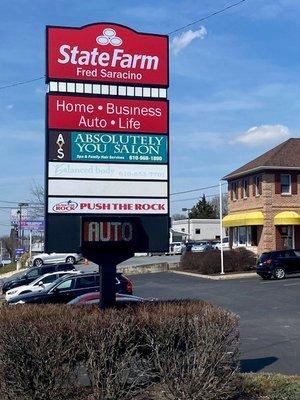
221, 229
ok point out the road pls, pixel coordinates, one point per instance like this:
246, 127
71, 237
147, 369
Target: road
269, 313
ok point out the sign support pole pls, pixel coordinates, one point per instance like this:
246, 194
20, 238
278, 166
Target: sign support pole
107, 282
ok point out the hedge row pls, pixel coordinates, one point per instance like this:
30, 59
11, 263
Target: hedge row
179, 350
209, 262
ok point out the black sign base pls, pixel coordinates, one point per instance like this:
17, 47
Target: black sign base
107, 262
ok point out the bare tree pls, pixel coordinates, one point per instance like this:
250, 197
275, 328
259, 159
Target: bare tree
8, 244
215, 202
37, 194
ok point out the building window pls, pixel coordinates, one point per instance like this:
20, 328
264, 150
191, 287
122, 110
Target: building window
245, 188
182, 229
243, 236
285, 180
258, 184
197, 231
235, 190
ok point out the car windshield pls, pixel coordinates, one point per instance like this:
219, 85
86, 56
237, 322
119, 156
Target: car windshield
55, 283
264, 257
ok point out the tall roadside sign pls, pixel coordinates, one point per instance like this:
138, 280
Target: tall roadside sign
107, 145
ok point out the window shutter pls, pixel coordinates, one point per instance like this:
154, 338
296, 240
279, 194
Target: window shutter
294, 183
260, 185
277, 184
230, 190
253, 185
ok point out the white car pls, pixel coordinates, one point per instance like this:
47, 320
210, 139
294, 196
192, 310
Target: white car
55, 258
176, 248
41, 283
225, 244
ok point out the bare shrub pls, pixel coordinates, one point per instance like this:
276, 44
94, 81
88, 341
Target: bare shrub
163, 350
38, 354
113, 363
209, 262
194, 350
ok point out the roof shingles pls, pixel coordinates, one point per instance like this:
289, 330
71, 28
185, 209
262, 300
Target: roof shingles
286, 154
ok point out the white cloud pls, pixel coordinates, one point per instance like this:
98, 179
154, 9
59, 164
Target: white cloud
9, 107
263, 134
183, 40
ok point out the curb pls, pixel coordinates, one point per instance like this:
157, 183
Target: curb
219, 277
148, 268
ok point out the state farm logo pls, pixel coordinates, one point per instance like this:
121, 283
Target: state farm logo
109, 37
65, 206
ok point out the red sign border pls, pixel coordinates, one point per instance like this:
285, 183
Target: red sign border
48, 78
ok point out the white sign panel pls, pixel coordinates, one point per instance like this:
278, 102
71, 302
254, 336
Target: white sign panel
66, 205
72, 187
107, 171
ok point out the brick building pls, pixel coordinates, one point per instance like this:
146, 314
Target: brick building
264, 200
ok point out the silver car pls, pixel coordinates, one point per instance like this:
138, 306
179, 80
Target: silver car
55, 258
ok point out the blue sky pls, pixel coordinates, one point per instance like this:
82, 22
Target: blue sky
234, 84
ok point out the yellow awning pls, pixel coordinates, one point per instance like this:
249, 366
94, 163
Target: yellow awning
244, 219
287, 218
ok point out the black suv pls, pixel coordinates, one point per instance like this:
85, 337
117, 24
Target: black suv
33, 273
69, 287
278, 264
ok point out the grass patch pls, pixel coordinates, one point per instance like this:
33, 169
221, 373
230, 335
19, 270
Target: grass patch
269, 386
9, 268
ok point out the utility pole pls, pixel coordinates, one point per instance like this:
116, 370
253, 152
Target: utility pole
21, 231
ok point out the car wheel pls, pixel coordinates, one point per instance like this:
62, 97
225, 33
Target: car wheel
70, 260
279, 273
38, 262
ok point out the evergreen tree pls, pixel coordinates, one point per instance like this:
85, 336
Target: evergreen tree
203, 209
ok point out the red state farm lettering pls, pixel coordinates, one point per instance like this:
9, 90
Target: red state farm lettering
94, 57
108, 231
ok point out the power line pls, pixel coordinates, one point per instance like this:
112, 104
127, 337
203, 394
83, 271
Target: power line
170, 33
196, 190
22, 83
207, 16
197, 198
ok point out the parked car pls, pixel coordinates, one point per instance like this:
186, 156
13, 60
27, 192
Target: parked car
225, 244
94, 298
69, 287
54, 258
32, 274
176, 248
199, 248
278, 264
41, 283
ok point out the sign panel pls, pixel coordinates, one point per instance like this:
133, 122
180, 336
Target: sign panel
107, 114
92, 205
33, 225
73, 187
107, 52
107, 171
107, 160
108, 147
15, 216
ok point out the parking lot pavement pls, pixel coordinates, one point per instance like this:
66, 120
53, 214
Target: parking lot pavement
269, 313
